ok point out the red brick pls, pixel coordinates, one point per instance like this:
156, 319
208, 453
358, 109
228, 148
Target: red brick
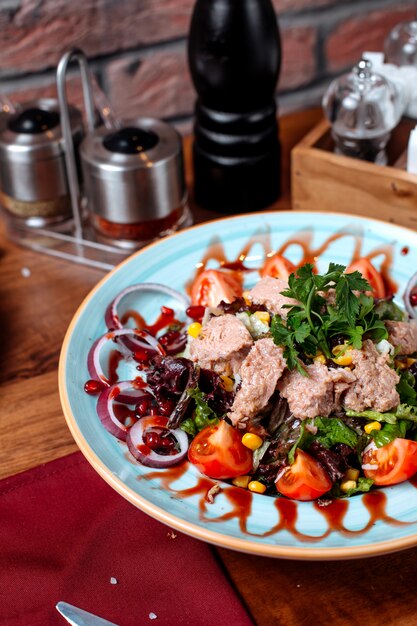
299, 63
158, 85
46, 88
364, 32
282, 6
35, 36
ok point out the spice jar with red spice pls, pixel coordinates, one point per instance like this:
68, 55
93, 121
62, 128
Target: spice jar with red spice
134, 182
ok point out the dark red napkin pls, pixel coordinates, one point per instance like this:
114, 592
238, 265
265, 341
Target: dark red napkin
66, 535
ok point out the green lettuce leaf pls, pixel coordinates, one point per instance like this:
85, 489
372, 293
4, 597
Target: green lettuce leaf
202, 416
373, 416
405, 388
332, 430
388, 310
388, 433
363, 485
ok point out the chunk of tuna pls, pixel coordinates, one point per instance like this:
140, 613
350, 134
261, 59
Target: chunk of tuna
403, 335
259, 374
319, 393
374, 387
268, 293
342, 379
222, 345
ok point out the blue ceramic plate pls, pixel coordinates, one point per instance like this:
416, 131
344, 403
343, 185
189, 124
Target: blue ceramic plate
384, 520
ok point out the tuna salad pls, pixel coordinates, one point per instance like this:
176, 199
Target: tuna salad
303, 386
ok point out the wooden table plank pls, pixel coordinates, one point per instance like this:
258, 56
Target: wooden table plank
35, 311
33, 429
363, 592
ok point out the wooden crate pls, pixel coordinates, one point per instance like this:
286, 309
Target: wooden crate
325, 181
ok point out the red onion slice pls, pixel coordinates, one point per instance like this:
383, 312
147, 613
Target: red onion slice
112, 317
408, 300
141, 339
144, 454
121, 394
176, 346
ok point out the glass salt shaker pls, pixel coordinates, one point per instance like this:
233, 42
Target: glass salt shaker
401, 44
363, 108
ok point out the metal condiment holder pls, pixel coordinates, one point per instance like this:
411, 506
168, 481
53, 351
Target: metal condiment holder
75, 240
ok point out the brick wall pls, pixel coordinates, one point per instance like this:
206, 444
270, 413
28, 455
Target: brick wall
138, 48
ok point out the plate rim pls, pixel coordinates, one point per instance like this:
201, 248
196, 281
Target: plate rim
169, 519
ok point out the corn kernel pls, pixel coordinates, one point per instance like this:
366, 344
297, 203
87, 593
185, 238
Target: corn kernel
256, 486
252, 441
263, 316
343, 355
320, 358
351, 474
194, 329
228, 383
339, 348
241, 481
344, 360
370, 426
348, 484
245, 296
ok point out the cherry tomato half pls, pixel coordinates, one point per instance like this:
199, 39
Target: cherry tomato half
278, 266
305, 479
368, 271
218, 452
391, 464
213, 286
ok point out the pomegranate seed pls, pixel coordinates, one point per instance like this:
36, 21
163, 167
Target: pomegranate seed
142, 356
195, 312
166, 407
143, 406
168, 337
152, 440
165, 310
93, 387
167, 443
413, 299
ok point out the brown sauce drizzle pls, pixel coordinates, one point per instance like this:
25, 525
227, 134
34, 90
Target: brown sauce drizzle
164, 320
114, 360
310, 254
241, 507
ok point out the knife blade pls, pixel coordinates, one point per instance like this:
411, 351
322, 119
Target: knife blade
79, 617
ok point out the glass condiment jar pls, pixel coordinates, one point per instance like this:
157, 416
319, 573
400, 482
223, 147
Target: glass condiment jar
401, 44
363, 108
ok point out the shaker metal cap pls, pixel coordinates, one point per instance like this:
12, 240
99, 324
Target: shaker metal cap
32, 165
135, 173
34, 131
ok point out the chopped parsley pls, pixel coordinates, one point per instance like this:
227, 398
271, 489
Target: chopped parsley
313, 321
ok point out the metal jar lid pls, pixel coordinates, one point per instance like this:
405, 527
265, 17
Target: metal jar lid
133, 174
32, 151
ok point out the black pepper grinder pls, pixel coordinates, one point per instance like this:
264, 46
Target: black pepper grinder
234, 55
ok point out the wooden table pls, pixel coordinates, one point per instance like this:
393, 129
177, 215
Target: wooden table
34, 314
